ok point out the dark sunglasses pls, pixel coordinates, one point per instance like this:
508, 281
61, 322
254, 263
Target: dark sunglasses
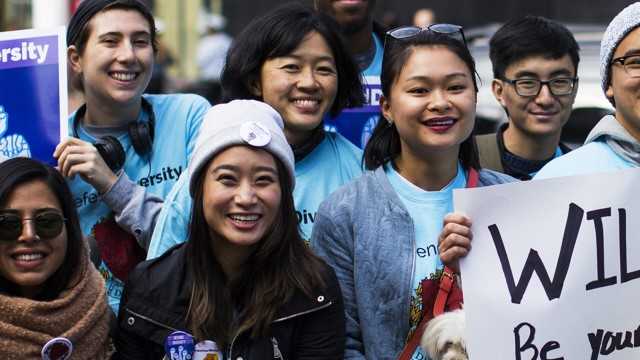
47, 224
405, 32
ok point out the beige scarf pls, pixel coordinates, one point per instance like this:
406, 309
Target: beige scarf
80, 314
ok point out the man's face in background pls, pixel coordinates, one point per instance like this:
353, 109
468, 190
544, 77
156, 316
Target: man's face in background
352, 15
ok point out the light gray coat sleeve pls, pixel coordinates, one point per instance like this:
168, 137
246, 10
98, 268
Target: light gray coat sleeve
333, 241
135, 209
490, 177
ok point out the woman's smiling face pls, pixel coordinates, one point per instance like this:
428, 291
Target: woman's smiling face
432, 100
241, 196
117, 59
30, 260
301, 86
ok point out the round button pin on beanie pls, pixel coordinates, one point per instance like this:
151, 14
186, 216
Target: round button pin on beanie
59, 348
255, 134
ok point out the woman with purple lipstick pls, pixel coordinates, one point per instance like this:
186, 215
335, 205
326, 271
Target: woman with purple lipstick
380, 232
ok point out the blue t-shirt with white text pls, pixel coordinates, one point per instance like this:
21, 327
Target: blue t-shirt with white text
427, 210
334, 162
177, 122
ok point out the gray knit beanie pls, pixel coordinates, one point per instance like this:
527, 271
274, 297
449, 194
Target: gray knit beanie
625, 22
240, 122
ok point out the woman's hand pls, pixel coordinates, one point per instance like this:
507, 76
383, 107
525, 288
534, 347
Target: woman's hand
454, 241
77, 157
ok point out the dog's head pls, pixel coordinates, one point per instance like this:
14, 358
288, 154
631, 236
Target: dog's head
443, 339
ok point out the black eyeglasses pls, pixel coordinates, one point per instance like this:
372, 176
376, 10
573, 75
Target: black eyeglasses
47, 224
631, 64
531, 87
405, 32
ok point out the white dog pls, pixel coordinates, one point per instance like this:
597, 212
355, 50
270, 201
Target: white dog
443, 339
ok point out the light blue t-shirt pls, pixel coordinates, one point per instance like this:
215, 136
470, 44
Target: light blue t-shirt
590, 158
334, 162
556, 155
375, 68
177, 121
357, 124
427, 209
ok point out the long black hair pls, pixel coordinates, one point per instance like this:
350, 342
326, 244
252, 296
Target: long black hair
280, 265
279, 33
17, 171
384, 144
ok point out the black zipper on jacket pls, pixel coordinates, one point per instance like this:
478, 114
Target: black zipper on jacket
303, 312
150, 320
284, 319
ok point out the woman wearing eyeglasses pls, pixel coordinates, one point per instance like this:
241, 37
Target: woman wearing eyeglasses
380, 233
48, 287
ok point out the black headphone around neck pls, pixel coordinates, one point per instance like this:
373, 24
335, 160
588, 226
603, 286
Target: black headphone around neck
110, 149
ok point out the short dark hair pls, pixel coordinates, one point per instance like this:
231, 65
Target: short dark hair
384, 144
17, 171
531, 36
78, 30
278, 33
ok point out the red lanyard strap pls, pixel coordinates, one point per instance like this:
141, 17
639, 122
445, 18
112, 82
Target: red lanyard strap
472, 178
448, 291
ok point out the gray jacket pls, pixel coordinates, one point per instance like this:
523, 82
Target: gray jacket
364, 231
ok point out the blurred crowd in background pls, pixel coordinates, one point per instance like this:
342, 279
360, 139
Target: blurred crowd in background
188, 28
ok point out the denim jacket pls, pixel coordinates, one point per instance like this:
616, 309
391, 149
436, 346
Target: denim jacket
364, 231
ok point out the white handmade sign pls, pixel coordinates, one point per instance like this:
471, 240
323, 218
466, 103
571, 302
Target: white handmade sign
554, 269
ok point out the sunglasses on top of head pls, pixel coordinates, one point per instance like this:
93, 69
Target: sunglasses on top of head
406, 32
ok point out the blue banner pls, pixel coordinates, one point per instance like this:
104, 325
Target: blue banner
357, 124
33, 100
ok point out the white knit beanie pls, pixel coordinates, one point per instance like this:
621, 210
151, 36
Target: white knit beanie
626, 21
240, 122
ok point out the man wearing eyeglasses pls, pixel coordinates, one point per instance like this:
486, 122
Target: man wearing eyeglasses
614, 143
535, 62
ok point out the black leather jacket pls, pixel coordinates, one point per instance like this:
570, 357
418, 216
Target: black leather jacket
156, 298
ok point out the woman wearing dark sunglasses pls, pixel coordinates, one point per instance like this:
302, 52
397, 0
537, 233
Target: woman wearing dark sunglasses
380, 232
48, 287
